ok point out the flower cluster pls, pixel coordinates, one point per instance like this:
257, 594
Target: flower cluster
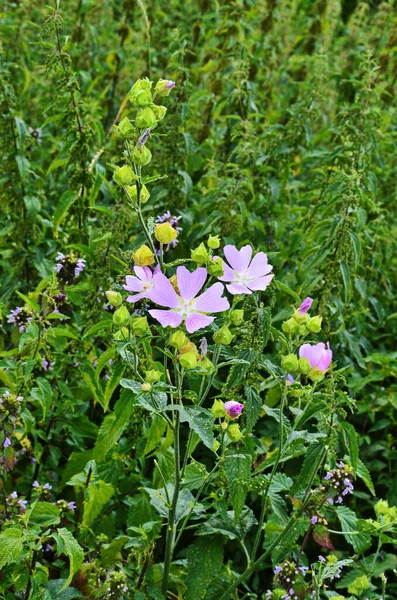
68, 268
10, 405
14, 500
19, 317
301, 323
338, 483
290, 576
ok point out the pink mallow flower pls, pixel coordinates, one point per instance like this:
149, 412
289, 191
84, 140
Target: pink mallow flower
233, 408
245, 275
186, 306
306, 305
142, 283
318, 355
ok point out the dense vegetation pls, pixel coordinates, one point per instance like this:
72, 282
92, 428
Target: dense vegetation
197, 338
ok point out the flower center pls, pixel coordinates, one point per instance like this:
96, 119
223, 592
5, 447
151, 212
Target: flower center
242, 278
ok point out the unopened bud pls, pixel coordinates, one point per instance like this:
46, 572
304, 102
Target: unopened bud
304, 365
165, 233
125, 129
141, 155
234, 433
314, 324
114, 298
152, 376
290, 326
290, 362
146, 387
178, 339
139, 325
188, 360
237, 317
206, 365
218, 409
223, 336
143, 257
124, 175
215, 267
200, 254
164, 87
140, 93
159, 111
146, 118
133, 193
214, 242
121, 316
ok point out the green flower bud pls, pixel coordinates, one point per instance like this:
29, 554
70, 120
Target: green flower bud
223, 336
141, 155
206, 365
385, 513
124, 175
304, 366
215, 445
165, 233
159, 112
234, 433
122, 334
121, 316
237, 317
215, 267
146, 387
214, 242
314, 324
290, 326
152, 376
125, 129
359, 585
200, 254
178, 339
188, 360
146, 118
140, 93
300, 317
164, 87
316, 375
114, 298
217, 409
302, 330
290, 362
139, 325
133, 193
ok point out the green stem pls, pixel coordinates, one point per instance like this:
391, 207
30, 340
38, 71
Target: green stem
258, 536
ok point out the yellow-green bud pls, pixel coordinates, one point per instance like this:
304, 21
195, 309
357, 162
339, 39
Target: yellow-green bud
164, 87
290, 326
188, 360
189, 347
122, 334
125, 129
234, 433
314, 324
217, 409
146, 387
145, 118
114, 298
304, 366
359, 585
124, 175
143, 257
237, 317
141, 155
214, 242
300, 317
159, 112
224, 425
385, 513
178, 339
121, 316
152, 376
215, 445
223, 336
316, 375
140, 93
290, 362
200, 254
206, 365
215, 267
133, 193
139, 325
302, 329
165, 233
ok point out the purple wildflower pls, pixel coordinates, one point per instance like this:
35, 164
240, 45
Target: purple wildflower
47, 486
144, 137
19, 318
233, 408
36, 133
278, 569
14, 495
35, 484
187, 306
321, 559
245, 275
169, 85
72, 506
203, 346
289, 380
7, 442
23, 504
305, 306
47, 365
68, 267
314, 520
318, 355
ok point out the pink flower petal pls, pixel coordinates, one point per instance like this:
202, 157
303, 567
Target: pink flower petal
211, 300
136, 297
144, 273
325, 359
261, 283
190, 284
238, 259
197, 321
259, 266
313, 353
167, 318
163, 293
133, 284
228, 273
237, 288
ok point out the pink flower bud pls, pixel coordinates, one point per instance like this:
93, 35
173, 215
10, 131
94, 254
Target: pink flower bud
305, 306
233, 408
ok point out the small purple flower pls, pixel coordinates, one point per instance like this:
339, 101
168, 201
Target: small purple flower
72, 506
233, 408
7, 442
47, 365
47, 548
79, 266
330, 501
32, 460
314, 520
47, 486
23, 504
291, 591
341, 464
306, 305
321, 559
19, 398
35, 484
14, 495
303, 570
144, 137
203, 346
278, 569
170, 85
289, 380
328, 476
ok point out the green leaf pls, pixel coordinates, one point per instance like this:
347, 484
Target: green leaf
67, 544
226, 524
347, 281
11, 546
350, 438
201, 421
30, 336
29, 301
348, 521
96, 496
76, 463
110, 551
43, 394
252, 407
238, 470
310, 466
240, 369
66, 201
205, 559
100, 326
112, 383
45, 514
195, 475
287, 290
58, 162
363, 473
113, 425
158, 499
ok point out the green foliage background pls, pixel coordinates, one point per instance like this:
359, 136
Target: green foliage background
281, 133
